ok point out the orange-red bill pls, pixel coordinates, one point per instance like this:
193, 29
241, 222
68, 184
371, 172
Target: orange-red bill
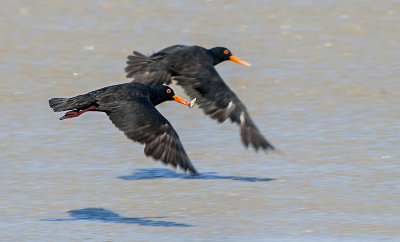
184, 101
239, 61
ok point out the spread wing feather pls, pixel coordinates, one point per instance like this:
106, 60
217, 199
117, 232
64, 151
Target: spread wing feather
219, 102
147, 126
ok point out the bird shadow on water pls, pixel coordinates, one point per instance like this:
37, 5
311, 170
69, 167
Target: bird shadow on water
159, 173
107, 216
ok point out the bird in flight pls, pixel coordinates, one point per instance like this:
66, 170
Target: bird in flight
131, 108
192, 67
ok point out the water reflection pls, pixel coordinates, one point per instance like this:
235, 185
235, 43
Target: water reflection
104, 215
159, 173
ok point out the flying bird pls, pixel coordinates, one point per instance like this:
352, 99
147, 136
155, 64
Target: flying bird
131, 108
192, 67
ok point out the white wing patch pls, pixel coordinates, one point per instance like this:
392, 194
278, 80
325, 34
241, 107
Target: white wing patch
242, 117
231, 106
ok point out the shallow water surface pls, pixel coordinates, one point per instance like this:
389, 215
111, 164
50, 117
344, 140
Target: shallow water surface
323, 88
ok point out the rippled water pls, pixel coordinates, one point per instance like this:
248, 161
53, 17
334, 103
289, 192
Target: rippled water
323, 87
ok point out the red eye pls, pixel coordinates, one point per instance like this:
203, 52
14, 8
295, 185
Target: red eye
168, 90
226, 52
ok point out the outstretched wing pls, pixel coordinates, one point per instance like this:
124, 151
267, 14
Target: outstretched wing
219, 102
144, 124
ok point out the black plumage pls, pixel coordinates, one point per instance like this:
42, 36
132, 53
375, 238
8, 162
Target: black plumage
131, 108
192, 67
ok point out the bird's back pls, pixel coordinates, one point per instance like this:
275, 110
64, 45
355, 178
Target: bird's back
116, 95
182, 58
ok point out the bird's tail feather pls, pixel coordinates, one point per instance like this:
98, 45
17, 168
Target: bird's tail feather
78, 102
59, 104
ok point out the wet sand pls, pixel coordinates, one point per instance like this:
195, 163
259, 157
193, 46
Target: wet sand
323, 88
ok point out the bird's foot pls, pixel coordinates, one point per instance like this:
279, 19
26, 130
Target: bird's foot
76, 113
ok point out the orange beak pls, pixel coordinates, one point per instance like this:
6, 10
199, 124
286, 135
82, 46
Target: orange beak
239, 61
190, 104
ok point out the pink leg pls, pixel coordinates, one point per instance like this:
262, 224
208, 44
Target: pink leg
73, 114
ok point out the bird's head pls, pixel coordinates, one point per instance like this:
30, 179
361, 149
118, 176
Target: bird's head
161, 93
221, 54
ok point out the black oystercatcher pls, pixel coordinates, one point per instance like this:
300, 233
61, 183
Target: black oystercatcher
192, 67
131, 108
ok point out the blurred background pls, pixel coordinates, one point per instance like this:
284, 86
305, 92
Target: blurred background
323, 88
